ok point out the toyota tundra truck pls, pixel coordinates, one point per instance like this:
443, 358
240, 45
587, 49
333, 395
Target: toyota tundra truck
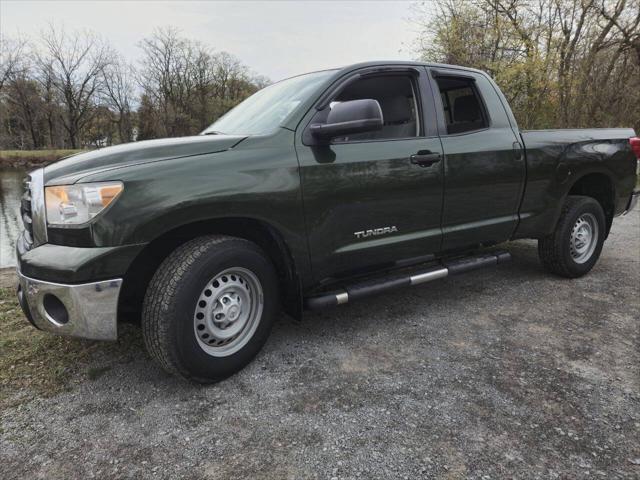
314, 192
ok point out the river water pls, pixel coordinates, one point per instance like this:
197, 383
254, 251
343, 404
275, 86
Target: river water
11, 189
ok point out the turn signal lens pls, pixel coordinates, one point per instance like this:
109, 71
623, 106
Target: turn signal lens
79, 203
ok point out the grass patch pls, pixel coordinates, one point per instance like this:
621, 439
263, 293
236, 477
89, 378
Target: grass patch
36, 153
35, 363
25, 158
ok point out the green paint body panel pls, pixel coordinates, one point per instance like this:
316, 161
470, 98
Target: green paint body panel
390, 191
61, 264
492, 185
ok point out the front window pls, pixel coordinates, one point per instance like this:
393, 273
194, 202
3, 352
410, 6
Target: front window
398, 102
265, 110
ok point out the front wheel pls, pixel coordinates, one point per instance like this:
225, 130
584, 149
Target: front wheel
209, 307
574, 247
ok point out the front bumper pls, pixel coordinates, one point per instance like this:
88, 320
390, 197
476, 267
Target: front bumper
73, 290
633, 201
87, 310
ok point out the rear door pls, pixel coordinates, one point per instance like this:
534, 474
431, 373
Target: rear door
484, 163
368, 201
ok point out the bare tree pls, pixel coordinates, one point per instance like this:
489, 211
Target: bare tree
188, 84
52, 113
25, 102
72, 89
76, 62
119, 93
161, 74
12, 52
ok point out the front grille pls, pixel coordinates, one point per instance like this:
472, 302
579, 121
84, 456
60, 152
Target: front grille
25, 212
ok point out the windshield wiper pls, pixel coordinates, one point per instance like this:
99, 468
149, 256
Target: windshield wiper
213, 133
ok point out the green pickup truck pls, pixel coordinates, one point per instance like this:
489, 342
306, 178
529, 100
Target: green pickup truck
316, 191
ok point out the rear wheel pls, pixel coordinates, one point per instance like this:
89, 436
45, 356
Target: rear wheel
209, 308
574, 247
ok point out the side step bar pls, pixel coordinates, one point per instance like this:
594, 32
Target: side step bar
374, 287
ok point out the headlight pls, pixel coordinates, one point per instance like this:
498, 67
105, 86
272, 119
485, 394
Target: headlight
79, 203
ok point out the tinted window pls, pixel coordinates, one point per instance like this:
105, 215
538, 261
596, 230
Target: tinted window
397, 99
462, 105
266, 109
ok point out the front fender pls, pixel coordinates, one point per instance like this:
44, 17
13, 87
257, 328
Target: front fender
258, 180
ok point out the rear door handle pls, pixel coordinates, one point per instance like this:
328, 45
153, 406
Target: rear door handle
425, 158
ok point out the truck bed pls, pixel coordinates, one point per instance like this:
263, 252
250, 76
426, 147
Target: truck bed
557, 158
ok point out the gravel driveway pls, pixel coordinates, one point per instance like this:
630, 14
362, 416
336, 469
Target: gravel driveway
499, 373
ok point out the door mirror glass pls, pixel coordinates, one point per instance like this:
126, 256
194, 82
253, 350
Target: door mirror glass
348, 118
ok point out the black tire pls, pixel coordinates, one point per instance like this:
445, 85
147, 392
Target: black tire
171, 300
555, 250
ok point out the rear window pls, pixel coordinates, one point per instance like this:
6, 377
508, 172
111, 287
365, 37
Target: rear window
463, 108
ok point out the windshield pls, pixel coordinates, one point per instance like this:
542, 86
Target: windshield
263, 111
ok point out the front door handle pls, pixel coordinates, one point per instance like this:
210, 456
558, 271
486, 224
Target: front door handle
425, 158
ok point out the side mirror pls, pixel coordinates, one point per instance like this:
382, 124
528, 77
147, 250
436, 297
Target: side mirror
348, 118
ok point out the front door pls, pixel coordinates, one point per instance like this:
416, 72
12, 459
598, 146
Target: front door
369, 200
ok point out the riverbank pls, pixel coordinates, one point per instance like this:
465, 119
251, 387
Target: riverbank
37, 365
32, 158
8, 279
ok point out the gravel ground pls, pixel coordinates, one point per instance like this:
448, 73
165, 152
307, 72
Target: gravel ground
506, 372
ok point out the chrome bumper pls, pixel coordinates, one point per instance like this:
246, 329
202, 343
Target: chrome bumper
88, 310
633, 201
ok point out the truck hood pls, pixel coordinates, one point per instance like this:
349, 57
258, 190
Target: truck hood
72, 169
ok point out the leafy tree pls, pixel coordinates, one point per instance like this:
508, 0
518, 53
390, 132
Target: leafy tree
560, 63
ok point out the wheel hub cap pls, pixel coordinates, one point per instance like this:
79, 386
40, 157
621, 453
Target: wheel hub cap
228, 311
228, 308
584, 238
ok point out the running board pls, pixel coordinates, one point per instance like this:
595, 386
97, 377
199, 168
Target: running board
374, 287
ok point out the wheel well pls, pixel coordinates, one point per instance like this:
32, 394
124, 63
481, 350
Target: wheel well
265, 236
600, 187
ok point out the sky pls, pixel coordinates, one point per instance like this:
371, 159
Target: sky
277, 39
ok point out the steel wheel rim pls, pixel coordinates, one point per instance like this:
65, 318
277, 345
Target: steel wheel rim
584, 238
228, 311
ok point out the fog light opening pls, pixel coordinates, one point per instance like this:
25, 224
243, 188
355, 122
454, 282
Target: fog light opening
56, 311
